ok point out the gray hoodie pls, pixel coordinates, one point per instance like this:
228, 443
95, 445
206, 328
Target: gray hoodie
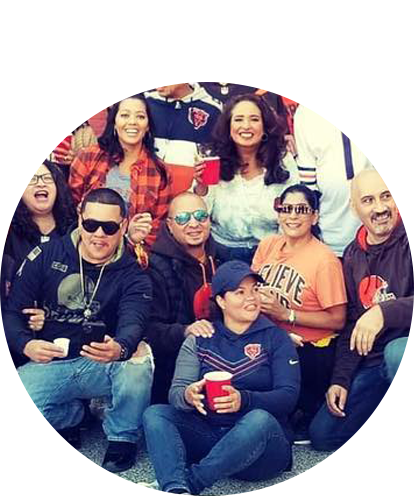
393, 152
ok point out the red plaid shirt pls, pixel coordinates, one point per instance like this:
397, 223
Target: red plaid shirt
89, 169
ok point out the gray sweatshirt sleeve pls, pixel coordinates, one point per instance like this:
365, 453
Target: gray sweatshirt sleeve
187, 371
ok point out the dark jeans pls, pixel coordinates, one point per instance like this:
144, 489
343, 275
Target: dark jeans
225, 253
369, 386
316, 365
190, 453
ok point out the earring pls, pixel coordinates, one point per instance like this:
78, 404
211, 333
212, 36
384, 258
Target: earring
265, 137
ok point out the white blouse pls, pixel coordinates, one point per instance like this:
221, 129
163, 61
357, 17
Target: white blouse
242, 211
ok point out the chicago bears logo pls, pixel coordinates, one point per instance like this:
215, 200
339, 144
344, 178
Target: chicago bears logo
197, 117
373, 290
252, 350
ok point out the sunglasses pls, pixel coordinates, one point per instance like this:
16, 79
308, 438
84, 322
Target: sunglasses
184, 217
298, 209
46, 178
92, 225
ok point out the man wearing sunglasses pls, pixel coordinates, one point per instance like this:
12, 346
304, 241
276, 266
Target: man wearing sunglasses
95, 295
181, 265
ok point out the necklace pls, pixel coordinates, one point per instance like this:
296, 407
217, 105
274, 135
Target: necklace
87, 313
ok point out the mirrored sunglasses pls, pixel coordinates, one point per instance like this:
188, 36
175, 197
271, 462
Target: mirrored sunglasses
92, 225
184, 217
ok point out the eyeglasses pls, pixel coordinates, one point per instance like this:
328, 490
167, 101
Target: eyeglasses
92, 225
300, 209
184, 217
46, 178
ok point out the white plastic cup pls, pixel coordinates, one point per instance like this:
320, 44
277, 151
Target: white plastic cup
63, 343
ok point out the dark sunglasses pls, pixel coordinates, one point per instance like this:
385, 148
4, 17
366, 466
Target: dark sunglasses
92, 225
3, 137
184, 217
298, 209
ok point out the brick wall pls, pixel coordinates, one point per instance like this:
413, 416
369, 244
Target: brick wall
93, 98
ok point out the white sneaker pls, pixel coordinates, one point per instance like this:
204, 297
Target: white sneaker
145, 489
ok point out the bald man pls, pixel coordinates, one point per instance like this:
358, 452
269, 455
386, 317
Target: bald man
181, 266
379, 280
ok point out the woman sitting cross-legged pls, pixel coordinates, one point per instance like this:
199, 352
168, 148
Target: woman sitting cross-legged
244, 435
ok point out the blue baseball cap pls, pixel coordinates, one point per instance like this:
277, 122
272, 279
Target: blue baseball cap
229, 276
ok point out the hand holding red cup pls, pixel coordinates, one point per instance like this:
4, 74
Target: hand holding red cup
211, 172
215, 383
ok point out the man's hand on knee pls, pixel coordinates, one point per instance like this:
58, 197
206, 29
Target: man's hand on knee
108, 351
42, 351
366, 330
336, 399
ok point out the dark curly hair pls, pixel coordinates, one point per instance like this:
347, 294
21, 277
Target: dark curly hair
64, 211
271, 151
109, 142
311, 197
72, 117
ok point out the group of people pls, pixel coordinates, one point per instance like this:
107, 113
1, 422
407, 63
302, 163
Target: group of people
293, 273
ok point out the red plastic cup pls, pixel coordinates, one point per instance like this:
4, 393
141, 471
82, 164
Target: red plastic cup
214, 386
211, 174
61, 140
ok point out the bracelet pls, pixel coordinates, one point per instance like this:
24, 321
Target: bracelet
292, 317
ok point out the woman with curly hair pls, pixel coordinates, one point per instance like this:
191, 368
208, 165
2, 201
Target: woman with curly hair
46, 210
124, 160
40, 109
249, 138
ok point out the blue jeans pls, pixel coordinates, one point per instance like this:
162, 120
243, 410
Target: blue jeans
190, 453
369, 386
58, 387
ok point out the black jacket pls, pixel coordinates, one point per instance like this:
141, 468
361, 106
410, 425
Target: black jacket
176, 277
50, 278
375, 274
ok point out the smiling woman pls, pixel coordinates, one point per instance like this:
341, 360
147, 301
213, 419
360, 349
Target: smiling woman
249, 138
46, 210
124, 160
304, 294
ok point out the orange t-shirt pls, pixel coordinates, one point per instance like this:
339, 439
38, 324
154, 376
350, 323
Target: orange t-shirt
292, 97
309, 280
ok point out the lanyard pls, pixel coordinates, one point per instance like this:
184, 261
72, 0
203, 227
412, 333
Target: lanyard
87, 313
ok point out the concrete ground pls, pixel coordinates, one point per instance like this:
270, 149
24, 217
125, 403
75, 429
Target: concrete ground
28, 467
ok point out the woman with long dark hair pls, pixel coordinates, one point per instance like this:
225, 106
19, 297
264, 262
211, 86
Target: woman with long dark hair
46, 210
249, 138
124, 160
304, 293
40, 109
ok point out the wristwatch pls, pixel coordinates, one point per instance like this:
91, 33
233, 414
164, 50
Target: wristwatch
124, 351
292, 317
